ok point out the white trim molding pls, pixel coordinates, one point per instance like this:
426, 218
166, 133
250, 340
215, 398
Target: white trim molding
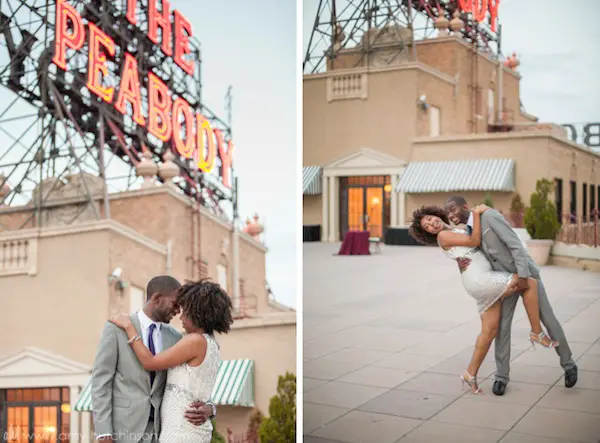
35, 368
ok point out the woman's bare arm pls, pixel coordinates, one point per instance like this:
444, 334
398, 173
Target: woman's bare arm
449, 239
189, 347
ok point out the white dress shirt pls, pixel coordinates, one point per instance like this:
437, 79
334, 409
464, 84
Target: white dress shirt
470, 220
145, 323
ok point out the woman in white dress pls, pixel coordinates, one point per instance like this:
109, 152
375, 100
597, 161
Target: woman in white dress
192, 363
431, 226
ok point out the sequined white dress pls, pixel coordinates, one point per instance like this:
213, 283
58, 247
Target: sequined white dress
186, 384
482, 283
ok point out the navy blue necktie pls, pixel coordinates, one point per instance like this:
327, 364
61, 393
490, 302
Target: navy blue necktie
469, 229
151, 347
153, 350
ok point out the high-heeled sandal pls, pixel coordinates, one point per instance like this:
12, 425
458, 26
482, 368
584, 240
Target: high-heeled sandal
538, 338
471, 380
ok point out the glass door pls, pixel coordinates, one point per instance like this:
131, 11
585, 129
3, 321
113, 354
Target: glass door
374, 211
17, 426
45, 424
356, 205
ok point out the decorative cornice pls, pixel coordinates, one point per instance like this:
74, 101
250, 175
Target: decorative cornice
370, 70
502, 136
85, 227
266, 320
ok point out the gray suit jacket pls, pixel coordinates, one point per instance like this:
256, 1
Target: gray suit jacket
503, 247
121, 391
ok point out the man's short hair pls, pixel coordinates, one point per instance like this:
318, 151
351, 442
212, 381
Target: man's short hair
458, 200
161, 284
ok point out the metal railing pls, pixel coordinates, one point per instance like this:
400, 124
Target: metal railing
582, 230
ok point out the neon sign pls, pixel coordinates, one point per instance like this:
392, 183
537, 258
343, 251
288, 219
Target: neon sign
479, 9
169, 119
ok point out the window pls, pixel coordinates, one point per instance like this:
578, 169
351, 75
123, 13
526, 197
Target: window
584, 213
222, 276
598, 201
434, 121
136, 299
491, 107
573, 208
592, 199
44, 412
558, 189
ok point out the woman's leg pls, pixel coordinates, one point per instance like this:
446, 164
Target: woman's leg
532, 307
489, 326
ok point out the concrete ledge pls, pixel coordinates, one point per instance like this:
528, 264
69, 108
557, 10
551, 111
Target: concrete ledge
576, 251
575, 256
265, 320
575, 263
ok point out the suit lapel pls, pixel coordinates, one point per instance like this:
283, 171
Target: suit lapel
138, 327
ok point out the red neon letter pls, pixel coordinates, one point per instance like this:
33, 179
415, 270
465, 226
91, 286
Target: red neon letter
479, 10
206, 157
226, 157
159, 104
129, 90
183, 32
131, 6
63, 39
97, 70
466, 5
185, 149
156, 19
494, 13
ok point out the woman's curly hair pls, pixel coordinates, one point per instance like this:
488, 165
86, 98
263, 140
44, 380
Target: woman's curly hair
207, 306
420, 234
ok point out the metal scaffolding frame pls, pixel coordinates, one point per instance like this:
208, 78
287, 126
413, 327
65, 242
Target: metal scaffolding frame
54, 127
342, 24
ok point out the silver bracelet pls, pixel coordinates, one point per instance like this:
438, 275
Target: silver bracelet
132, 340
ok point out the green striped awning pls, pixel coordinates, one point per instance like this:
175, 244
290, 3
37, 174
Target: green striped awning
235, 383
234, 386
84, 402
312, 180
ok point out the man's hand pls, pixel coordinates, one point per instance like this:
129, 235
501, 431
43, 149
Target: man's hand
463, 263
521, 285
106, 438
198, 413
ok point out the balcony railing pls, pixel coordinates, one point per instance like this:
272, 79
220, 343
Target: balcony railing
574, 230
580, 230
18, 256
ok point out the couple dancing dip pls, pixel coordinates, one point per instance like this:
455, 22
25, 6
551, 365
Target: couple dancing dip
495, 269
150, 383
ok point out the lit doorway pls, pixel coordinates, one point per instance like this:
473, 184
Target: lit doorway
365, 204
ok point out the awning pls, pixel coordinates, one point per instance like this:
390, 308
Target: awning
312, 180
461, 175
234, 386
84, 402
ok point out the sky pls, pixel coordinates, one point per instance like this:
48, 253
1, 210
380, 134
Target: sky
252, 47
559, 47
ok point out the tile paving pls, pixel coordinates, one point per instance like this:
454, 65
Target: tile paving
386, 337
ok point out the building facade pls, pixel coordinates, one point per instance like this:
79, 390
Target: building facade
58, 287
386, 136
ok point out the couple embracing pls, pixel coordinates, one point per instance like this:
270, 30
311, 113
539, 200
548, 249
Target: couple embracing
495, 269
150, 383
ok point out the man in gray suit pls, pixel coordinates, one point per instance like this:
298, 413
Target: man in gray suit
126, 398
505, 251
